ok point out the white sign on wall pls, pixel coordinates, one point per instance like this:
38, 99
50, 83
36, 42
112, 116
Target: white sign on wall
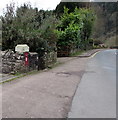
22, 48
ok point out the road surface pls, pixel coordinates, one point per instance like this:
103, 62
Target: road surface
96, 93
43, 95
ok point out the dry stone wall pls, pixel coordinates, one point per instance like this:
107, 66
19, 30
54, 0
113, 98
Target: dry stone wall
15, 62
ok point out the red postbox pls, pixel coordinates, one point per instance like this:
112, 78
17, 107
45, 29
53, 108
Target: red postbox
26, 55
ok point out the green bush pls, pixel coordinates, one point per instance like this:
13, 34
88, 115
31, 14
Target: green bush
29, 26
75, 28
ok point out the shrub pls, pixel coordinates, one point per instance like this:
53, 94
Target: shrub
75, 28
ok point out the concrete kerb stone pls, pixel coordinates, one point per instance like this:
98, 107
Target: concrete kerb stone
9, 78
85, 54
89, 53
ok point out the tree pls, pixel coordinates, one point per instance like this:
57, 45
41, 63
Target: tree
88, 23
105, 24
71, 6
7, 27
29, 26
75, 29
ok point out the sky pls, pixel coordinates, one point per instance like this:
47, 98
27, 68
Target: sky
41, 4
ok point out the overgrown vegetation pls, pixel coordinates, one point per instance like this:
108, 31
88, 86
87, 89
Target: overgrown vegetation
36, 28
75, 29
29, 26
106, 21
105, 24
43, 30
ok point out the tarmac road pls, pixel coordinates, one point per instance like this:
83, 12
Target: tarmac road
43, 95
96, 94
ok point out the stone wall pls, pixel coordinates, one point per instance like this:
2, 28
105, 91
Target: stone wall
15, 62
50, 58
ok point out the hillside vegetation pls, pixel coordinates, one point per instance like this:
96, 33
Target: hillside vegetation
46, 31
106, 22
38, 28
106, 18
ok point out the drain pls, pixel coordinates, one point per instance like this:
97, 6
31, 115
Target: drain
63, 74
